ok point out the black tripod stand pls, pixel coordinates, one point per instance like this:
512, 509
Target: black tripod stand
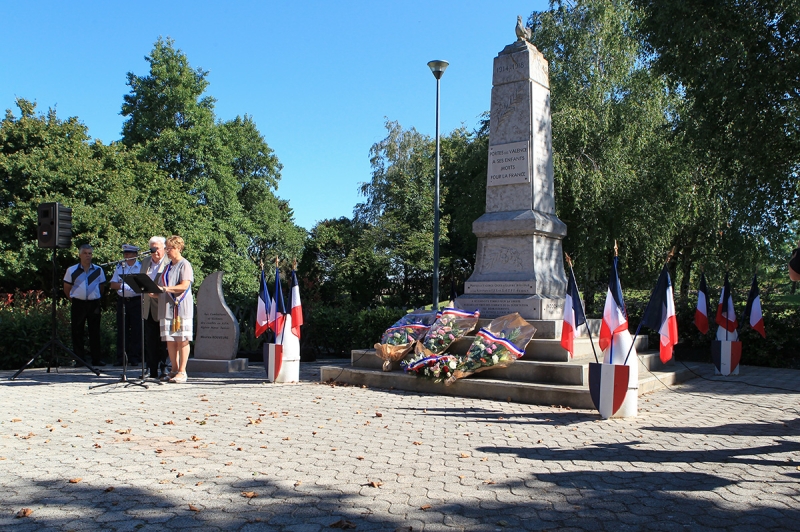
124, 377
54, 340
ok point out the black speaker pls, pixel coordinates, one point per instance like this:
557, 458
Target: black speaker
54, 226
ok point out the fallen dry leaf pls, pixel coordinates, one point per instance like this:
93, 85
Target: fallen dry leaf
417, 443
163, 481
249, 494
170, 422
194, 508
123, 431
195, 438
488, 481
179, 441
17, 420
297, 483
198, 483
361, 458
425, 507
343, 524
25, 512
108, 489
465, 455
75, 480
374, 484
109, 420
378, 414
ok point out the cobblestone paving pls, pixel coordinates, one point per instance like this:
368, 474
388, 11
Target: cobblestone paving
235, 453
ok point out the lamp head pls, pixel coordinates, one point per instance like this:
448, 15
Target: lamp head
438, 67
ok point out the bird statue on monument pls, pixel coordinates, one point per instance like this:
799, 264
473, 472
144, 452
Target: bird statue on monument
523, 33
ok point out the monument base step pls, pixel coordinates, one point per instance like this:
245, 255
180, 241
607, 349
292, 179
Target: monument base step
203, 365
573, 396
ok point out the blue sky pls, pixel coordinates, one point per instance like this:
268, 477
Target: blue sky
319, 78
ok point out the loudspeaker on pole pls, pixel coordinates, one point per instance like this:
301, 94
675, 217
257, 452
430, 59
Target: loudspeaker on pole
54, 225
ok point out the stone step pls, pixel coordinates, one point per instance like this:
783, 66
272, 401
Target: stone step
550, 350
575, 373
572, 396
552, 328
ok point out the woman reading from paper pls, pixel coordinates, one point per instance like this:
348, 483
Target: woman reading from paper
176, 308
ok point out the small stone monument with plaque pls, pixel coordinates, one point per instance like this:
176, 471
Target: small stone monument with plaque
519, 262
216, 338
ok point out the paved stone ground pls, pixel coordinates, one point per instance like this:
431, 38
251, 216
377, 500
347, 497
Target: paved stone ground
233, 452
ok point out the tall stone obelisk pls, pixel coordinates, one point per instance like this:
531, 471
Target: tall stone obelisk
519, 265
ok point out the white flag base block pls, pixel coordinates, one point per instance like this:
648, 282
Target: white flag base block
290, 370
630, 406
622, 347
726, 356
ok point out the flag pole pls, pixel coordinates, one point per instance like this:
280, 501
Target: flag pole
589, 330
639, 327
611, 346
744, 312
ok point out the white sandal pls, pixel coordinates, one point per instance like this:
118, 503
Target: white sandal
179, 377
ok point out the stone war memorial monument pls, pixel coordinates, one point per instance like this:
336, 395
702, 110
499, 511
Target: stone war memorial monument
519, 261
216, 340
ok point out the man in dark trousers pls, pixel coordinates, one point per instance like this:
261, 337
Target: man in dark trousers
129, 326
794, 264
155, 351
82, 284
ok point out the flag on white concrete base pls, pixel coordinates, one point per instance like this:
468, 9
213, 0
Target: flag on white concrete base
726, 356
608, 386
274, 361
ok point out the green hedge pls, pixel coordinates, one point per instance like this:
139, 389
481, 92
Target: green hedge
335, 330
25, 327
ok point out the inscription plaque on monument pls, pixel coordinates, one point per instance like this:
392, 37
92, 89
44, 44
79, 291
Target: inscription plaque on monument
509, 164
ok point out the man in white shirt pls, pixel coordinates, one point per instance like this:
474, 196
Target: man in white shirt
155, 350
129, 326
82, 284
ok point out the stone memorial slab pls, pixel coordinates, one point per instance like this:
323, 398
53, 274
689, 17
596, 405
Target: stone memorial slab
519, 261
217, 331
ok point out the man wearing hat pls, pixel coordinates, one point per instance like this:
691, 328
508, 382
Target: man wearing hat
131, 325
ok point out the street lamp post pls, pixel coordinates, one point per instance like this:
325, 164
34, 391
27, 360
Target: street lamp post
437, 68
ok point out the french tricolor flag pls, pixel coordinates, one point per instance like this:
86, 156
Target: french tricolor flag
660, 315
701, 312
615, 320
752, 312
726, 315
297, 309
262, 311
574, 316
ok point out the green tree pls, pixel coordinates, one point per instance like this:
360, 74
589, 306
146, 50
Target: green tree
737, 63
398, 211
463, 179
44, 159
227, 167
616, 172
